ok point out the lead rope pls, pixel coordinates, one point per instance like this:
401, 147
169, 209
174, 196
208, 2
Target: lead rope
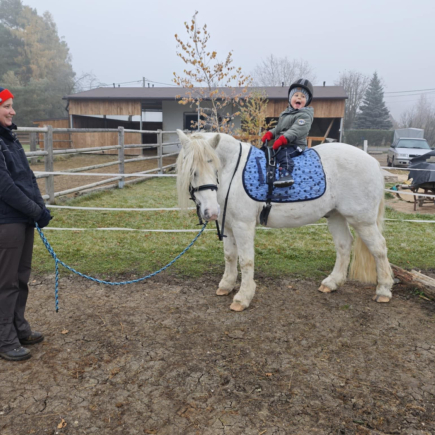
221, 234
57, 262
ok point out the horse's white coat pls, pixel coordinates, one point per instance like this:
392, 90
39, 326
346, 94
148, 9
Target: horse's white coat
354, 195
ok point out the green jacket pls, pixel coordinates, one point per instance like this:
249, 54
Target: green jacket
294, 124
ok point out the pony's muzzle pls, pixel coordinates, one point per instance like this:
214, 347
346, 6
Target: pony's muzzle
211, 215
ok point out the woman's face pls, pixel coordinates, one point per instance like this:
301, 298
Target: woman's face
7, 112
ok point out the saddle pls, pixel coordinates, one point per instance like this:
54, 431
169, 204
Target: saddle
261, 170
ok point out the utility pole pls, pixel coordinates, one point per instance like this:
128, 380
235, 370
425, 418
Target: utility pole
143, 82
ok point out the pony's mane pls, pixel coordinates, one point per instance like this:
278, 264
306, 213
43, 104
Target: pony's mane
196, 155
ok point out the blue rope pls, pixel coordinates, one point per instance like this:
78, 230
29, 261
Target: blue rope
57, 262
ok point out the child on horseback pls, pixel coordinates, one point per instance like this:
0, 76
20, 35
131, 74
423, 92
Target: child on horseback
292, 130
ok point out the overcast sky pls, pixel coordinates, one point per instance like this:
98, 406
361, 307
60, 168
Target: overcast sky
123, 41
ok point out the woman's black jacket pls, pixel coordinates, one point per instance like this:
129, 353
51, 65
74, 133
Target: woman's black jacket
20, 198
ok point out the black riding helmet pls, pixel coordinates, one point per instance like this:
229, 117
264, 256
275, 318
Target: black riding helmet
305, 84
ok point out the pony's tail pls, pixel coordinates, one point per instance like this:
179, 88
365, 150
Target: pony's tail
363, 265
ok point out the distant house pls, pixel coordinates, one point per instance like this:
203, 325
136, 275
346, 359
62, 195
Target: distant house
152, 108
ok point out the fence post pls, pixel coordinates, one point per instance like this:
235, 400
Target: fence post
366, 147
49, 163
33, 160
121, 159
160, 150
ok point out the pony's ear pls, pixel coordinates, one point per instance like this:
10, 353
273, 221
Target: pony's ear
215, 141
183, 138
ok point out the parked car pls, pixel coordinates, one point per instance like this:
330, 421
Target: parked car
405, 149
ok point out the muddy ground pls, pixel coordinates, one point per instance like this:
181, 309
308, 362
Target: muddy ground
169, 357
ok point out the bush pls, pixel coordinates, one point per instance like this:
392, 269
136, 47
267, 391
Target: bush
377, 138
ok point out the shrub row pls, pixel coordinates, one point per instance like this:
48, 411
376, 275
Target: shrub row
377, 138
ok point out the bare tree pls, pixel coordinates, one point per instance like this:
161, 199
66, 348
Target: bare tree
422, 115
355, 84
254, 118
86, 81
210, 80
274, 71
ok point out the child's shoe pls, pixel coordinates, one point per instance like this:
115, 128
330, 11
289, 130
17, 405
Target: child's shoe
285, 179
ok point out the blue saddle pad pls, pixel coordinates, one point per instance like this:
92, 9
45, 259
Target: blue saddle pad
310, 182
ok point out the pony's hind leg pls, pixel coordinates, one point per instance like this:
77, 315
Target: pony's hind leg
229, 278
339, 229
375, 243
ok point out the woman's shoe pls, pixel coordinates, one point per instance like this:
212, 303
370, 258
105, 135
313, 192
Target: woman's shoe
33, 338
19, 354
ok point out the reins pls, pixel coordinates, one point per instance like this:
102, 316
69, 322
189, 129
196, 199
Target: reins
221, 235
192, 191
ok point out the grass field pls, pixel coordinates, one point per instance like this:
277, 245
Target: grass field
305, 252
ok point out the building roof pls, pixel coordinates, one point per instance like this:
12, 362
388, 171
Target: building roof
169, 93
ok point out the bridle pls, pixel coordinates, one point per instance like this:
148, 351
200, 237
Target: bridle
212, 187
192, 191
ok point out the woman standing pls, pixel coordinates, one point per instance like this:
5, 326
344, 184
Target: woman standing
21, 205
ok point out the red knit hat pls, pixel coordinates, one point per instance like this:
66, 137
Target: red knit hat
5, 95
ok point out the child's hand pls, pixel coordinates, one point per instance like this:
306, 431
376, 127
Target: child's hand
279, 142
267, 136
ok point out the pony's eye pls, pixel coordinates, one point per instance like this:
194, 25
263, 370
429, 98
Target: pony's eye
209, 161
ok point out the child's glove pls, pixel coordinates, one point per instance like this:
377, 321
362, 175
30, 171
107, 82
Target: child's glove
279, 142
267, 136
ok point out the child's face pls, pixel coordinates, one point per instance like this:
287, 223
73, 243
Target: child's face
298, 100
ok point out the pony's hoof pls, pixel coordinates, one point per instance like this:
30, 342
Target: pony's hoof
235, 306
381, 299
324, 289
221, 292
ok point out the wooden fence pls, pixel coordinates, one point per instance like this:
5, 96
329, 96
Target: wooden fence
49, 153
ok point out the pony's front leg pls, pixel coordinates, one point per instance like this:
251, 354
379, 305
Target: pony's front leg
244, 235
229, 278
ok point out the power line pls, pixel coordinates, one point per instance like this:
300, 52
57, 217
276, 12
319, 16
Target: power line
410, 95
415, 90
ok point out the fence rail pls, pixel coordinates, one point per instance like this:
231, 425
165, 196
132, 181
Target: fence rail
49, 153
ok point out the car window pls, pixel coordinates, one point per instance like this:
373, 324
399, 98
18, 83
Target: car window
413, 143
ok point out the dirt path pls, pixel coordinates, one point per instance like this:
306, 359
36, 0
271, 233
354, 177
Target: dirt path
169, 357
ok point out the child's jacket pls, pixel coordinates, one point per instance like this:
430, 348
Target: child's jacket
294, 125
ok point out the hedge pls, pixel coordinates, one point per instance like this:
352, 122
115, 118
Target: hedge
377, 138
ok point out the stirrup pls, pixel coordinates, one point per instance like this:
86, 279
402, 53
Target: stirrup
284, 182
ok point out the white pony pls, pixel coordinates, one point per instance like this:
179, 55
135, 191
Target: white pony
354, 195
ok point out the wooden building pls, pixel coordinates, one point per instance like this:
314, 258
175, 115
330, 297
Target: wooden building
132, 108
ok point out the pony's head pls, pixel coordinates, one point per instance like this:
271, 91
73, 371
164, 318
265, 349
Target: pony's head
198, 165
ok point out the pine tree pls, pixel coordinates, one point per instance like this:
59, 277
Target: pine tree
374, 114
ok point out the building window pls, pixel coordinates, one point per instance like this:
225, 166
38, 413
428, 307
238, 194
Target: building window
190, 120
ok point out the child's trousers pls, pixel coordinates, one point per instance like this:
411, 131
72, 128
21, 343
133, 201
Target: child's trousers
284, 158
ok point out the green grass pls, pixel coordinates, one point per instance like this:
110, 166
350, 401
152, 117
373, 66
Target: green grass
306, 252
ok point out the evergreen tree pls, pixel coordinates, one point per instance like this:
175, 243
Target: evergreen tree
35, 63
374, 114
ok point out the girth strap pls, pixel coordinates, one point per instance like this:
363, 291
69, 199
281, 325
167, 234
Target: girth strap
270, 178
